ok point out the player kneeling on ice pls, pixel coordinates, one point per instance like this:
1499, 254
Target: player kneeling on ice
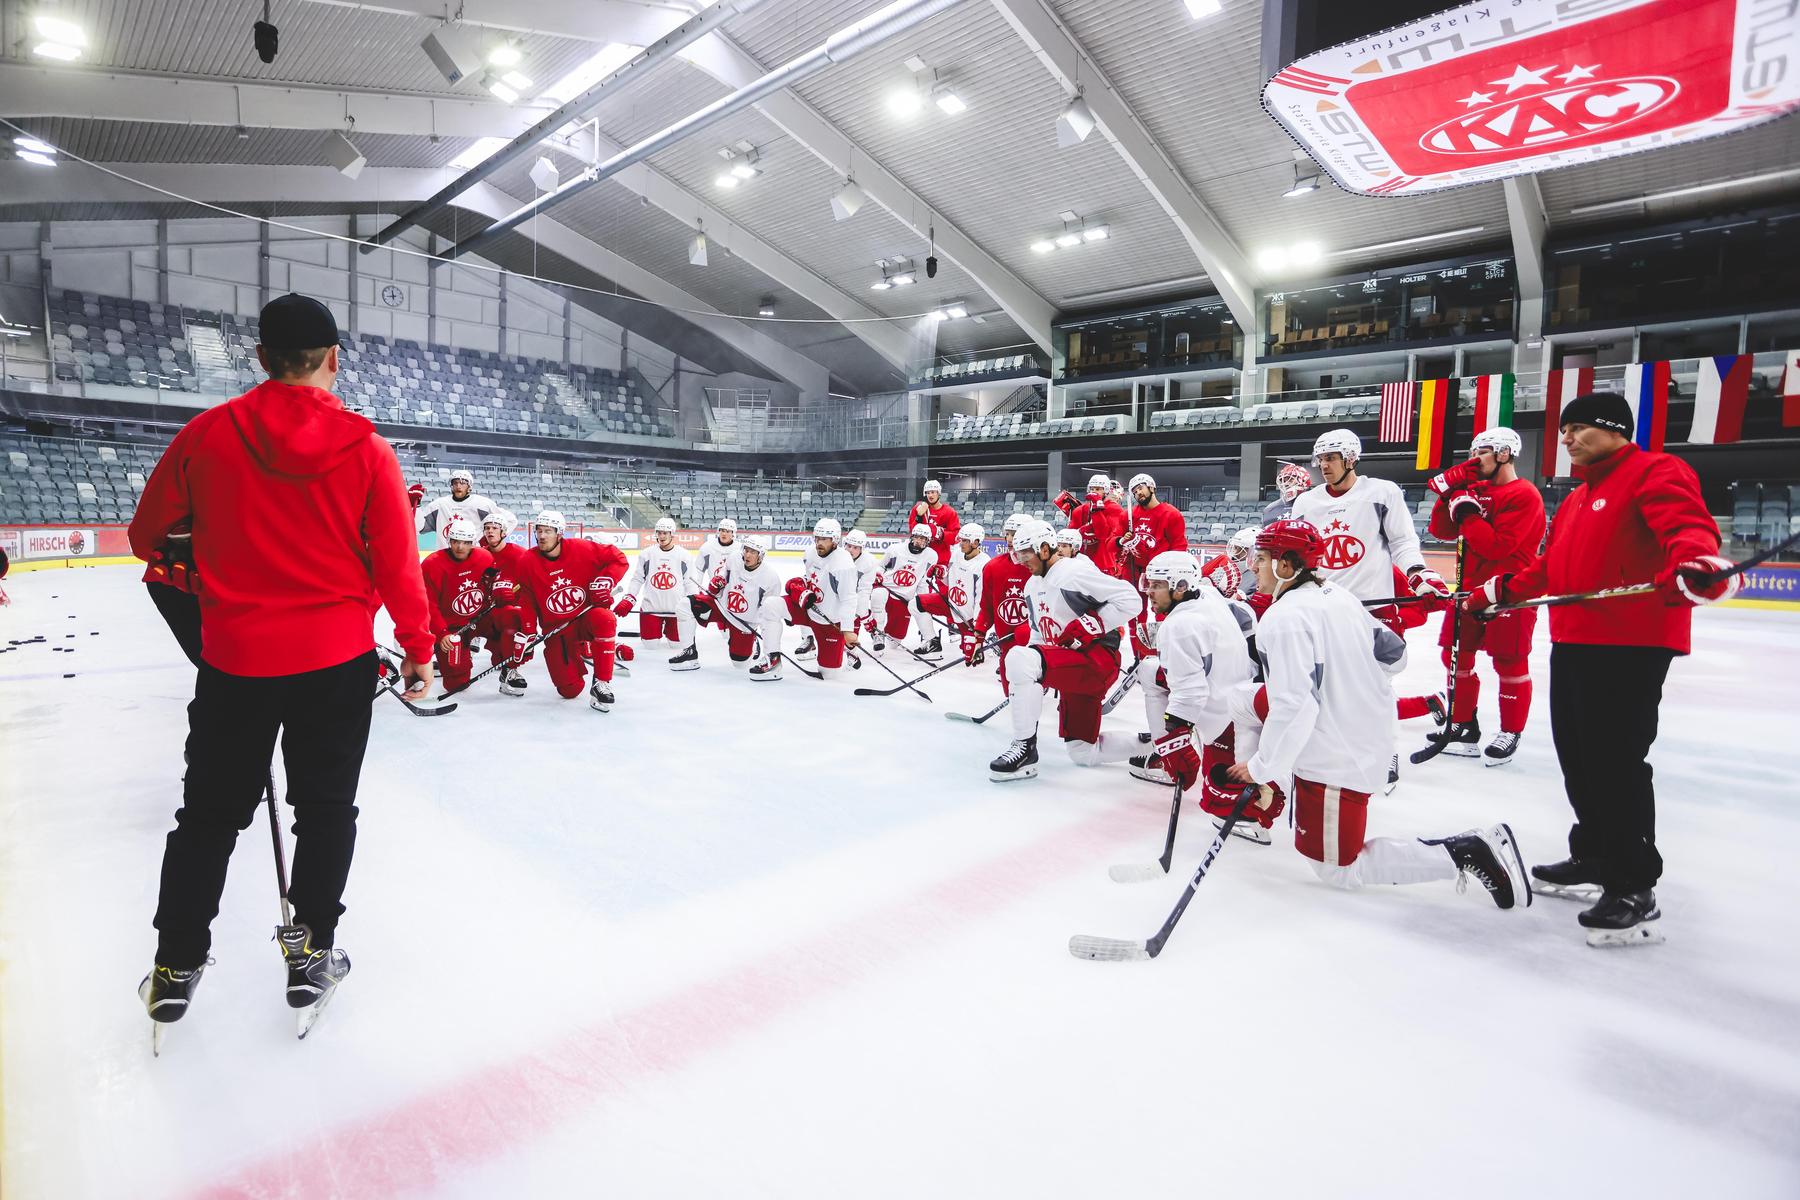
749, 598
1318, 729
456, 581
868, 566
1077, 612
895, 600
666, 581
510, 621
823, 597
1003, 611
572, 581
1201, 641
958, 602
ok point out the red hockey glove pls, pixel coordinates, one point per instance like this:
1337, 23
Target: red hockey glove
716, 584
701, 607
623, 608
972, 651
1180, 757
1457, 477
1697, 582
1487, 595
1427, 582
1088, 539
937, 577
416, 494
600, 589
1263, 810
810, 600
1259, 602
1082, 630
1468, 504
1065, 501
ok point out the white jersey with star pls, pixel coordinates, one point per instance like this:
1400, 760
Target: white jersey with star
662, 580
903, 570
962, 586
712, 556
1072, 588
867, 567
1367, 531
438, 513
834, 579
751, 599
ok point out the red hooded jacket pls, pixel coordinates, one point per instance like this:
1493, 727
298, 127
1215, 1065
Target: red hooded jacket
301, 528
1634, 513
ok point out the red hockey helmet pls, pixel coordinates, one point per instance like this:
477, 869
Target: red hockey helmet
1297, 537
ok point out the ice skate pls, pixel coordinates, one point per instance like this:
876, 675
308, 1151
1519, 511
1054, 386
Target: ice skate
1149, 766
767, 671
166, 994
687, 660
1622, 919
1460, 737
1500, 751
1492, 858
932, 651
600, 697
1018, 761
1570, 879
1393, 779
807, 647
313, 975
1247, 829
511, 682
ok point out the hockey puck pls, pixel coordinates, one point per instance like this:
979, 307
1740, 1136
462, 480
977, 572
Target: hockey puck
70, 675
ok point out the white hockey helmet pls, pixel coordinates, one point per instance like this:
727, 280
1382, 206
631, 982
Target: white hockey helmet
1242, 544
828, 527
1497, 439
549, 518
923, 531
971, 533
503, 518
1098, 483
1012, 523
665, 525
1292, 479
1174, 567
1338, 441
856, 537
727, 525
932, 485
749, 544
463, 474
461, 529
1069, 537
1034, 534
1142, 477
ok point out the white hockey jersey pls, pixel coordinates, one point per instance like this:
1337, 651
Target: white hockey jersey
834, 578
903, 571
1326, 664
867, 567
751, 599
437, 514
1205, 659
1367, 531
662, 580
1074, 587
710, 559
962, 585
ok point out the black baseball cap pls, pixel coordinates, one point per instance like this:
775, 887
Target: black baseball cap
1603, 410
294, 322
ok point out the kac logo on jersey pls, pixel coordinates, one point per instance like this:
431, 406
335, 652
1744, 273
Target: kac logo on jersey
1342, 548
1600, 504
468, 600
663, 580
1047, 628
905, 577
958, 595
737, 602
566, 599
1014, 611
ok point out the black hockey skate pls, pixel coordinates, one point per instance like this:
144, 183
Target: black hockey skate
768, 671
1149, 766
511, 682
1621, 919
1492, 858
807, 647
687, 660
1019, 761
1500, 751
313, 975
1393, 780
166, 994
932, 651
1570, 879
1461, 738
600, 697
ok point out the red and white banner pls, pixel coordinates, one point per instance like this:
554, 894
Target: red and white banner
1485, 91
1719, 397
57, 543
1396, 412
1790, 389
1560, 387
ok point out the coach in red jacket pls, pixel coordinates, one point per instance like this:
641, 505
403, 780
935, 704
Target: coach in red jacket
1637, 516
300, 526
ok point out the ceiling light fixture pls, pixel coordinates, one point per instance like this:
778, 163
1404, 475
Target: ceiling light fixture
501, 91
544, 175
1075, 123
1204, 8
1275, 259
947, 100
1044, 246
32, 144
697, 250
905, 101
848, 199
725, 180
477, 152
517, 81
956, 310
1066, 239
1304, 182
60, 51
506, 54
56, 29
765, 307
1098, 233
32, 156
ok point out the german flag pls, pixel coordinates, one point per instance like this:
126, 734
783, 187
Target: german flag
1437, 417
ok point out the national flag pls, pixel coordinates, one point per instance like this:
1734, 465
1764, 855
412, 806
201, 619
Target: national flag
1647, 392
1719, 396
1493, 402
1790, 389
1396, 412
1560, 388
1437, 417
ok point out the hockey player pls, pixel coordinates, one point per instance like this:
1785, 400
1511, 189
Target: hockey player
1101, 521
572, 581
1155, 527
1004, 612
1290, 481
894, 600
1203, 658
463, 501
942, 519
719, 546
856, 545
666, 580
748, 594
958, 603
512, 620
1499, 518
823, 596
1077, 612
455, 584
1318, 728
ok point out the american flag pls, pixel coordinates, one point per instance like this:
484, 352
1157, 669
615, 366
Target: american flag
1396, 412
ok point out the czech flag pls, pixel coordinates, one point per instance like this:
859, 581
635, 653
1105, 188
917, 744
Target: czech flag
1560, 388
1647, 391
1719, 396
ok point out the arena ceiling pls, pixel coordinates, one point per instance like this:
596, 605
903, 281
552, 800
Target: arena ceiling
1185, 173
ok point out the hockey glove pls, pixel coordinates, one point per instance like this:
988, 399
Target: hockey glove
936, 577
716, 584
1180, 757
1427, 582
1457, 477
172, 563
1064, 501
1485, 597
701, 607
1466, 504
416, 494
809, 600
1697, 581
972, 653
1263, 810
489, 578
623, 608
1086, 628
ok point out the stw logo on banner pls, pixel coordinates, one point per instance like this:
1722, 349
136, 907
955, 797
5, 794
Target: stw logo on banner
1486, 91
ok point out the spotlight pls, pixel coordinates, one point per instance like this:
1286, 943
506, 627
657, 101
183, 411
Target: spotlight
265, 36
697, 251
501, 91
517, 81
1304, 254
1067, 239
765, 307
1075, 123
951, 103
848, 199
956, 310
1272, 259
544, 175
905, 101
903, 279
32, 156
505, 55
1304, 182
1203, 8
880, 285
242, 132
765, 312
342, 153
1098, 233
937, 314
1042, 247
56, 29
744, 170
726, 181
32, 144
57, 50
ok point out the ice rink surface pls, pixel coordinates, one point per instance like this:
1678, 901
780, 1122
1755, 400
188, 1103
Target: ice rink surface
775, 940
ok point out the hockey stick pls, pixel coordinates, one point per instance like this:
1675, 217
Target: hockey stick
983, 718
1436, 745
518, 656
1126, 682
1118, 949
287, 915
1139, 872
1430, 598
955, 662
904, 685
1634, 589
387, 655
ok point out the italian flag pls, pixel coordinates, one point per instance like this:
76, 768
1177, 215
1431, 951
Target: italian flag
1493, 402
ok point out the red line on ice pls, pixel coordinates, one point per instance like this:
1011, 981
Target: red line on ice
479, 1116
